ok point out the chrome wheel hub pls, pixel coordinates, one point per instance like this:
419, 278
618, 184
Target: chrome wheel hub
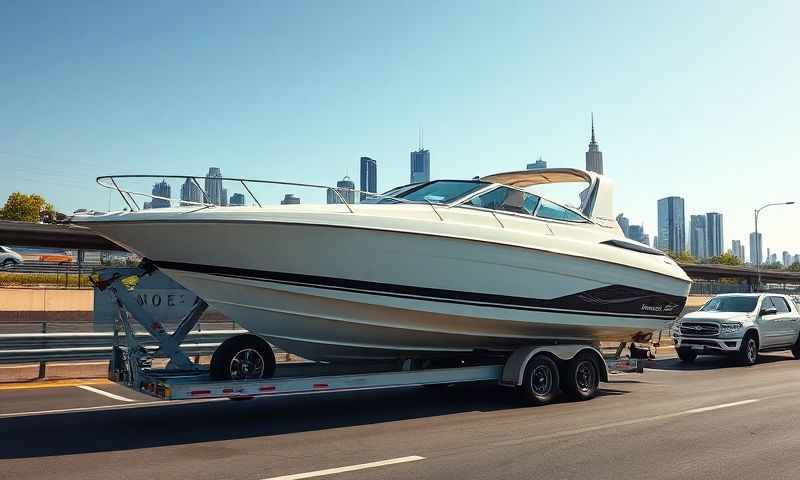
247, 363
751, 350
585, 376
542, 380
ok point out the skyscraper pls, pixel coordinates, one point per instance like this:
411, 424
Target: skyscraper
369, 176
346, 188
291, 199
636, 232
594, 157
671, 225
213, 185
624, 224
714, 241
737, 250
190, 192
237, 200
420, 166
223, 197
697, 236
161, 189
756, 250
537, 164
787, 259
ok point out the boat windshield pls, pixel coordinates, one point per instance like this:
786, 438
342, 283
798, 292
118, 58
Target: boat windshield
731, 304
438, 191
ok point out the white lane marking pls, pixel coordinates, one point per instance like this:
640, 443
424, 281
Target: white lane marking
351, 468
123, 406
105, 394
624, 423
722, 405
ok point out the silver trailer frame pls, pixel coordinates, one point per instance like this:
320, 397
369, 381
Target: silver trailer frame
131, 363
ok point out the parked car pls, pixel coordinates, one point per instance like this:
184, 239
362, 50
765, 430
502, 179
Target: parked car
9, 258
739, 325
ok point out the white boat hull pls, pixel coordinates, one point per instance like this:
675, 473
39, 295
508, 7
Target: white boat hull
332, 292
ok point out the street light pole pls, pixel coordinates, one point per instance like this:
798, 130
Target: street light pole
758, 242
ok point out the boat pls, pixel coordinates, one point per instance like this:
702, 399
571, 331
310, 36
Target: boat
437, 269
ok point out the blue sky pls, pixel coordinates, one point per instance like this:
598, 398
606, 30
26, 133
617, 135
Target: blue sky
697, 99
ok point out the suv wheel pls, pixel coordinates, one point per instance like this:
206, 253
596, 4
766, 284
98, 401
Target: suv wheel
687, 355
8, 263
796, 349
748, 351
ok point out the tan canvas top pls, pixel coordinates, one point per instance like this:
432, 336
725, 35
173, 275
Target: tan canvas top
527, 178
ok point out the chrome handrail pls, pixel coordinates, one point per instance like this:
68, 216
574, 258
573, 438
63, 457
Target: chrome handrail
127, 194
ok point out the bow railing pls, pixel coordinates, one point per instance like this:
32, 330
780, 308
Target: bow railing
114, 182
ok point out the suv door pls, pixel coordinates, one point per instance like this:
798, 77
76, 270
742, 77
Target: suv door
768, 325
786, 322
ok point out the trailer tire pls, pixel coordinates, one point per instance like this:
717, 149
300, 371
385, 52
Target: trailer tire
540, 382
242, 357
582, 380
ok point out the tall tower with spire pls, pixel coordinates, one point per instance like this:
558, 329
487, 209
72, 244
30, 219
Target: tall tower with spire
594, 157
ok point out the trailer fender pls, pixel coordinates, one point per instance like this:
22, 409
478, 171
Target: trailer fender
514, 368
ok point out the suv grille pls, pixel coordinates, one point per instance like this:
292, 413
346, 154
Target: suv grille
693, 329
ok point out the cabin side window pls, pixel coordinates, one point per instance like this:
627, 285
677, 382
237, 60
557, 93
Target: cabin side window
507, 200
553, 211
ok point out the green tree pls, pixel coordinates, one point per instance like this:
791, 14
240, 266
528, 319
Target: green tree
25, 208
683, 257
795, 267
726, 258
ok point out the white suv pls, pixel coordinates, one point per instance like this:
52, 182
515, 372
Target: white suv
741, 325
9, 258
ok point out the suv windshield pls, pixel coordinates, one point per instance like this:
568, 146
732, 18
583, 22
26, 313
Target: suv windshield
731, 304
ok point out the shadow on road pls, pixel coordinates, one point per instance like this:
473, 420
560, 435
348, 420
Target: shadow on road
706, 362
125, 429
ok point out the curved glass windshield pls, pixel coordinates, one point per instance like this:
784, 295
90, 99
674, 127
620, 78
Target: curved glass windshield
731, 304
441, 191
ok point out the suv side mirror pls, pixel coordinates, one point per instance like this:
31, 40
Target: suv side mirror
769, 311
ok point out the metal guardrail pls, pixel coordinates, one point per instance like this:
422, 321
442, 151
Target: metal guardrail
52, 267
50, 347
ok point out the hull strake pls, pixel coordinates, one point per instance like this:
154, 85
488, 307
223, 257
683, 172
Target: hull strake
614, 300
321, 324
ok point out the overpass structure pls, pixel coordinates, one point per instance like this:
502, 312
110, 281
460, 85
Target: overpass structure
56, 235
710, 272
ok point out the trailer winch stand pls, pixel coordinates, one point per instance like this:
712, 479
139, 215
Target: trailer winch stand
128, 307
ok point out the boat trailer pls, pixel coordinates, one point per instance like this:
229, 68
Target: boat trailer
132, 365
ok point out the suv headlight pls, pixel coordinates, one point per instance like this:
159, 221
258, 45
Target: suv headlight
731, 327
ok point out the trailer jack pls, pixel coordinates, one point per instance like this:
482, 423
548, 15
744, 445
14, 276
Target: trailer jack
130, 359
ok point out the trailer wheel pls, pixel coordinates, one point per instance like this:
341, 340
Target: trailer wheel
243, 357
540, 382
583, 377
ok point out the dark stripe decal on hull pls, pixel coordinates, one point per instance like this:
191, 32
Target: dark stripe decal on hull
616, 300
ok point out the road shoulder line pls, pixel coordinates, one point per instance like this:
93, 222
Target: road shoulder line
350, 468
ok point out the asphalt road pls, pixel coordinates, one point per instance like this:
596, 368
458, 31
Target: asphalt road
711, 421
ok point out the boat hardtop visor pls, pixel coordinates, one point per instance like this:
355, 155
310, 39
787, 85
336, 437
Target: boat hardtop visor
597, 201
